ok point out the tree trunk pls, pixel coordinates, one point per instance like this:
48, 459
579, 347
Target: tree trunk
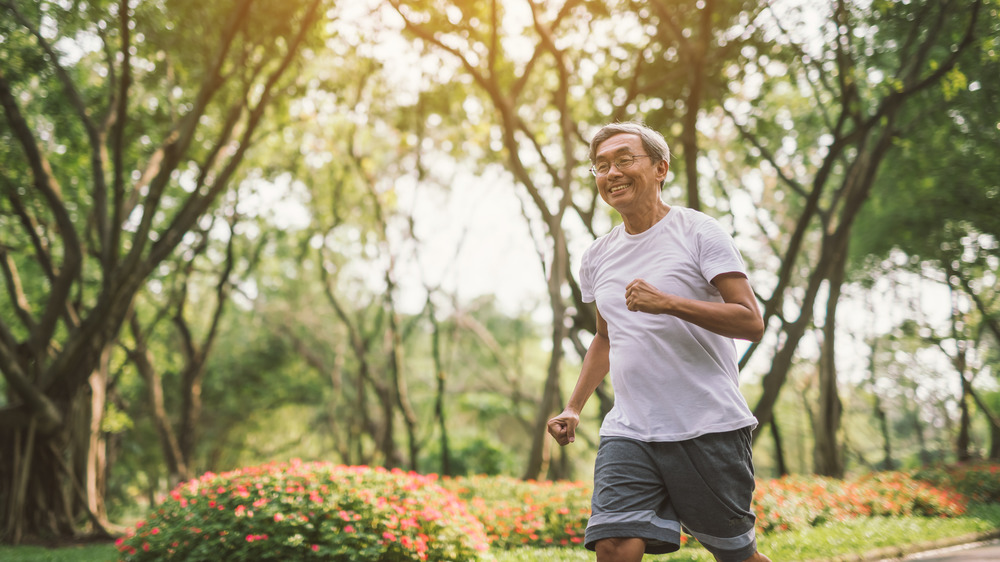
918, 430
960, 361
51, 478
550, 395
963, 442
827, 458
994, 443
442, 378
779, 453
97, 450
883, 419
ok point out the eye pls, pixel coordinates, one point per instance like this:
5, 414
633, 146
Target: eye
624, 161
602, 167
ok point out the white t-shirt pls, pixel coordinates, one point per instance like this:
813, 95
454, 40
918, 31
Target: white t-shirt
672, 379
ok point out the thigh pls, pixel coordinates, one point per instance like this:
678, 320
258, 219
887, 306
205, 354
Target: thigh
630, 499
711, 482
626, 477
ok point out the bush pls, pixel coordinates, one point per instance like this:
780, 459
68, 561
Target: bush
526, 513
326, 512
302, 511
978, 481
795, 502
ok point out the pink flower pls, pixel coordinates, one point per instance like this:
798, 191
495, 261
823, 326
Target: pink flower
315, 548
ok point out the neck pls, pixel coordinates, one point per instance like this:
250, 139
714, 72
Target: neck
642, 221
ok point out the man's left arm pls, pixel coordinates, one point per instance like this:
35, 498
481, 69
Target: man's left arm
736, 317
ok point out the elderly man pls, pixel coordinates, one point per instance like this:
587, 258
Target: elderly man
672, 293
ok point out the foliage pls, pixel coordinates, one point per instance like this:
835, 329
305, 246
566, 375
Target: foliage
795, 502
979, 482
308, 511
124, 129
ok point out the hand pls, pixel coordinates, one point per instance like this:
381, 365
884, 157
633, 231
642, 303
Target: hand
642, 297
563, 427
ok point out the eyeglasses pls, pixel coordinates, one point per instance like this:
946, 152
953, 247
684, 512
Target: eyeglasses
624, 161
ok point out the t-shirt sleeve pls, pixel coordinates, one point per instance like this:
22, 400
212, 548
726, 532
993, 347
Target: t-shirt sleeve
717, 252
587, 278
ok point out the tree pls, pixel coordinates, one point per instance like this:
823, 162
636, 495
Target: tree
832, 171
196, 320
946, 164
123, 128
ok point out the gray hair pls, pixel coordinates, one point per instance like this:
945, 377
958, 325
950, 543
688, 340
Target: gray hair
652, 142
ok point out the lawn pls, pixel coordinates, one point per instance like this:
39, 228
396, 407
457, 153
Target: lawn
817, 543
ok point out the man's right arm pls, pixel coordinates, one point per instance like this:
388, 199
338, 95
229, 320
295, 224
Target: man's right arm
596, 364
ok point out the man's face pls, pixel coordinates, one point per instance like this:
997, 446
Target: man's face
635, 188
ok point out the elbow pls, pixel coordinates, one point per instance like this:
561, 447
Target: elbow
756, 331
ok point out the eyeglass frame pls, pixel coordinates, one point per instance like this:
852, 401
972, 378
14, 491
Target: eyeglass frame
630, 158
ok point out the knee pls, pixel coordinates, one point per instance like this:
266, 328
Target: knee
620, 549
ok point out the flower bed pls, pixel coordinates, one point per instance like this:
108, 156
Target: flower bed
794, 502
306, 511
526, 513
978, 481
322, 511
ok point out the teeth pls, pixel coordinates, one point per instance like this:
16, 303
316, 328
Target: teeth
618, 188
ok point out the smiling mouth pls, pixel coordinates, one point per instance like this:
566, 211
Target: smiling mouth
617, 188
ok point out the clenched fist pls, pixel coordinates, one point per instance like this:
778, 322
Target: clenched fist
563, 427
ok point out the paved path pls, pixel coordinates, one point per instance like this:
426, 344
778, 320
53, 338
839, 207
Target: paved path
976, 552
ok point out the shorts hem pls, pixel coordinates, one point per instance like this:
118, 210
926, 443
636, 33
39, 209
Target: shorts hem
734, 555
658, 540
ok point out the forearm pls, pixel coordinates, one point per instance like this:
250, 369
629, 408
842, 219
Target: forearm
732, 320
595, 367
736, 317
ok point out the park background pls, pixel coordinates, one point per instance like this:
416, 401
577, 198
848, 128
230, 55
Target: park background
245, 232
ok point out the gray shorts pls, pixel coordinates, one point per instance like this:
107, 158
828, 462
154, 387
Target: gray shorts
648, 490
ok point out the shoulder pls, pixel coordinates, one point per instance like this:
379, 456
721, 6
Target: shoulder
693, 218
605, 242
699, 225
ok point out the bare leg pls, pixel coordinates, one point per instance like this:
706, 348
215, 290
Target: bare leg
620, 550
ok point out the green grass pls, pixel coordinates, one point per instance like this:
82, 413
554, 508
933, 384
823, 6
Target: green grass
826, 542
88, 553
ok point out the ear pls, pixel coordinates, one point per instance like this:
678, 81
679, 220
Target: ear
661, 169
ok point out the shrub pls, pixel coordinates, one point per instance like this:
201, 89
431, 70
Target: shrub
302, 511
978, 481
795, 502
897, 493
519, 513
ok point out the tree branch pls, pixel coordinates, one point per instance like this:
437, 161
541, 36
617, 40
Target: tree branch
46, 184
22, 308
111, 235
